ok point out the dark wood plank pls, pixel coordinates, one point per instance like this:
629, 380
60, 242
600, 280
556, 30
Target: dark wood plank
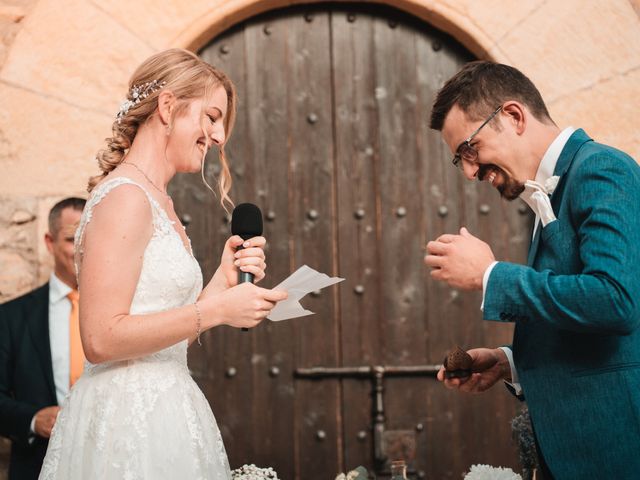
357, 160
403, 219
229, 393
266, 61
445, 306
312, 209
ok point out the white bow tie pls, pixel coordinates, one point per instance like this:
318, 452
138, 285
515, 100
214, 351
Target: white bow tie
537, 197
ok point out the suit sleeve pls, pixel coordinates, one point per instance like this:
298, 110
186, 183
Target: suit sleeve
604, 196
15, 416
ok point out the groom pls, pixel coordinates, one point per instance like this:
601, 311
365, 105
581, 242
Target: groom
576, 304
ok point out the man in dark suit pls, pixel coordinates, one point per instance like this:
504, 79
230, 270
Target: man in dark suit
576, 304
36, 331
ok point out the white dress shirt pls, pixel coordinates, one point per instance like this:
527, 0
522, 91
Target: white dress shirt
59, 312
545, 171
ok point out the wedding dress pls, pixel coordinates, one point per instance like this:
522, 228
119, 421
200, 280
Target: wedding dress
143, 418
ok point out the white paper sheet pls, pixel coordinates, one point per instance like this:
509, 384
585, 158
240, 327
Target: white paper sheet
298, 284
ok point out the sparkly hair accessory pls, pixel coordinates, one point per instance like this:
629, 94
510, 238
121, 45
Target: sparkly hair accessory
137, 94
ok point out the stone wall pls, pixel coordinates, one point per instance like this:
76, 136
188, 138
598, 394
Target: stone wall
24, 260
18, 261
18, 245
12, 13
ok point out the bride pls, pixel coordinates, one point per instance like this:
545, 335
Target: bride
135, 413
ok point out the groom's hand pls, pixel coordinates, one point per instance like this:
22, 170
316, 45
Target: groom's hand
459, 260
489, 366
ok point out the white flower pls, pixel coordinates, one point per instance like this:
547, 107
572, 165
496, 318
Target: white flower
251, 472
138, 93
551, 183
485, 472
124, 109
125, 106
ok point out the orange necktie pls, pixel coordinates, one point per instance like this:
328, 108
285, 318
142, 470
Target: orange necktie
76, 355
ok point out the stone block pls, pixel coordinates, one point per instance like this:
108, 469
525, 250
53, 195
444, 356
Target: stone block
18, 275
164, 20
18, 245
17, 224
565, 46
599, 109
104, 54
21, 217
495, 18
12, 15
41, 159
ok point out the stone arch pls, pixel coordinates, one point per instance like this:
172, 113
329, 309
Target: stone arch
438, 14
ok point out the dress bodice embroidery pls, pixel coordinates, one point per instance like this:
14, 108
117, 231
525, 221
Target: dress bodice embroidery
170, 276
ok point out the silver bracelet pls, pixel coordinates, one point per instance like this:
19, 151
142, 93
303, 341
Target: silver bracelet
198, 323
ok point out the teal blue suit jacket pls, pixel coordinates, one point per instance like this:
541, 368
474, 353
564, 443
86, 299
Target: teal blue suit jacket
576, 306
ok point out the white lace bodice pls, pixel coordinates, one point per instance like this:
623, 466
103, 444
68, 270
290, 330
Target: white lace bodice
170, 276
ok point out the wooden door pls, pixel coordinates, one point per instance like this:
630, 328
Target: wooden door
332, 142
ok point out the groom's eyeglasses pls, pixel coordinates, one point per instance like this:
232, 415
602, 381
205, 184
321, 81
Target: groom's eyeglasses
465, 150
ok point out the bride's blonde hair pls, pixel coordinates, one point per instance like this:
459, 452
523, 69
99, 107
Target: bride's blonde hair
187, 77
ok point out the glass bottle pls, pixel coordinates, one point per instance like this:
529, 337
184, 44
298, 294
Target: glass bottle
398, 470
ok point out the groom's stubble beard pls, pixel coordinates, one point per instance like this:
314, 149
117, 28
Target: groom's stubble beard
510, 189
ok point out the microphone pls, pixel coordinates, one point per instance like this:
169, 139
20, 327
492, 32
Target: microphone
246, 221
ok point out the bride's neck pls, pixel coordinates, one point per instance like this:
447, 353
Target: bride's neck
148, 153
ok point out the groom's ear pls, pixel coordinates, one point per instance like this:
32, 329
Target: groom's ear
166, 106
516, 114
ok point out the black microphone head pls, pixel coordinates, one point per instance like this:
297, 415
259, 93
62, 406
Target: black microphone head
246, 221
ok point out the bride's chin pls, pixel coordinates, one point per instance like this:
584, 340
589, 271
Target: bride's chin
192, 166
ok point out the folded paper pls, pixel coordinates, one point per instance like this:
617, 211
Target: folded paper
298, 284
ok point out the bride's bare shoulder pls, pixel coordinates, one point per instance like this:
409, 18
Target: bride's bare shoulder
122, 205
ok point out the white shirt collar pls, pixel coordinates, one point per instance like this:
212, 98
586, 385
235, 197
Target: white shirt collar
57, 289
551, 156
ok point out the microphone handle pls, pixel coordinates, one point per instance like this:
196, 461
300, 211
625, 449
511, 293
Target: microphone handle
244, 277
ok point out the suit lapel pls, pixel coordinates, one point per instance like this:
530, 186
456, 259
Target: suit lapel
38, 324
576, 140
533, 248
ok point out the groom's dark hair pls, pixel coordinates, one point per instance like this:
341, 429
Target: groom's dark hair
482, 86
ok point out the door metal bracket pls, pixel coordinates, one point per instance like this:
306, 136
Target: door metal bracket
376, 375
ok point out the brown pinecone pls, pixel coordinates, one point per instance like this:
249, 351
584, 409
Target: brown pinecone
457, 363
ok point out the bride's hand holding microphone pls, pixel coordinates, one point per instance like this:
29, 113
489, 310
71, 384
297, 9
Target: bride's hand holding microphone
238, 255
240, 305
243, 258
239, 302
